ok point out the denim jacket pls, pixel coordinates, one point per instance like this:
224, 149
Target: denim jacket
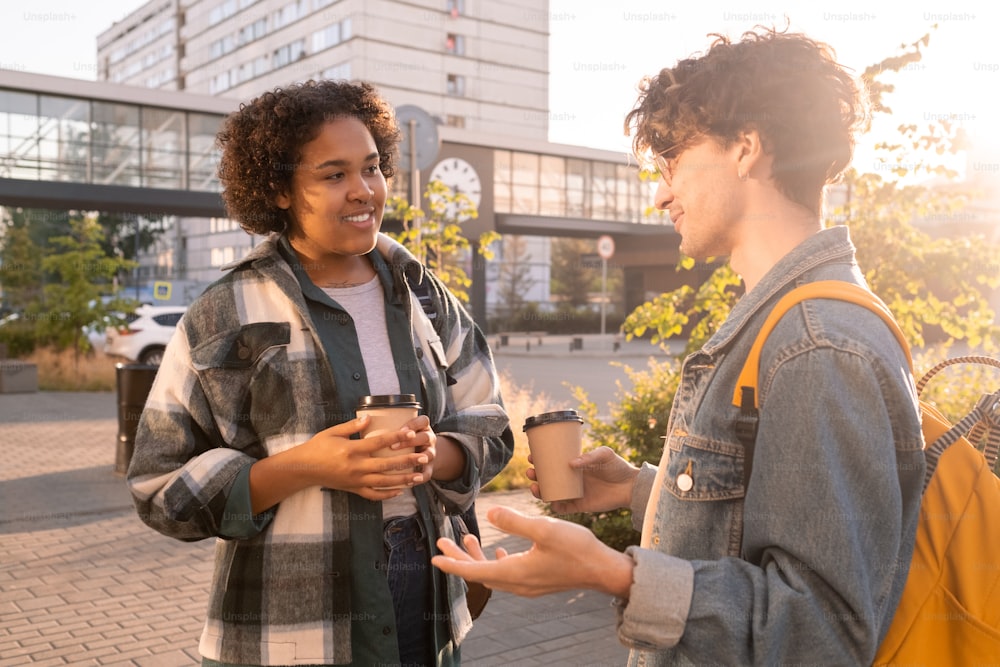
805, 565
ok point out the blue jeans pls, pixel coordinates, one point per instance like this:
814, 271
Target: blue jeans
408, 570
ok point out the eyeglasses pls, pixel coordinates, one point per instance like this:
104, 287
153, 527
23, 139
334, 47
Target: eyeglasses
666, 160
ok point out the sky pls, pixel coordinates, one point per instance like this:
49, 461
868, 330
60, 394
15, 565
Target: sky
599, 50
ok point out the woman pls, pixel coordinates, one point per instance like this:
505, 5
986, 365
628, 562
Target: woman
250, 434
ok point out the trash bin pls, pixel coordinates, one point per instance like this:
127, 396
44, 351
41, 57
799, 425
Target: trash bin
133, 382
504, 340
576, 344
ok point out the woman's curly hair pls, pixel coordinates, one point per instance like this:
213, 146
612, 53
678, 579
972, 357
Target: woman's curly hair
262, 143
806, 107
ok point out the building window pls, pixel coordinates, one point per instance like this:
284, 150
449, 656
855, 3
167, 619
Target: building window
222, 256
203, 155
456, 7
502, 181
251, 32
455, 44
451, 120
341, 72
260, 65
524, 178
456, 85
219, 83
287, 14
288, 53
331, 35
552, 185
577, 187
219, 225
221, 12
603, 191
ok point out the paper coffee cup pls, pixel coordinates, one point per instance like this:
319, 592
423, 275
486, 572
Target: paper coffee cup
555, 439
388, 413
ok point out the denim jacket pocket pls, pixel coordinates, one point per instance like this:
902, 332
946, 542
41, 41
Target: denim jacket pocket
704, 469
241, 374
703, 489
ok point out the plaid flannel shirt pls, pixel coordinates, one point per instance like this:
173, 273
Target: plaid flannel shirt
245, 377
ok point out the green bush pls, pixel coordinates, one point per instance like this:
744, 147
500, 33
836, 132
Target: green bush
19, 337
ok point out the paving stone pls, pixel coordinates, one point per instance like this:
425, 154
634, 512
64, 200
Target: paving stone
87, 583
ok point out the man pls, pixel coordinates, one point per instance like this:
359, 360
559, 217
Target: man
806, 563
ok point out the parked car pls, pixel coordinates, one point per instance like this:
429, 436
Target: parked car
146, 335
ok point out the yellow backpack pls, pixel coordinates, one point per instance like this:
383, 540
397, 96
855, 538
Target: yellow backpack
949, 613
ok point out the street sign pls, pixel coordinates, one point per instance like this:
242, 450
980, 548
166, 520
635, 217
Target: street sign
425, 143
605, 247
162, 290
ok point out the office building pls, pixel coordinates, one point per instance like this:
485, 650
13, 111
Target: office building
471, 64
478, 68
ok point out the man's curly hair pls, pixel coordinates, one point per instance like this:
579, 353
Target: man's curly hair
262, 143
789, 88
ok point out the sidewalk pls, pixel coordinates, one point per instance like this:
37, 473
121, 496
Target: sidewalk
609, 346
84, 582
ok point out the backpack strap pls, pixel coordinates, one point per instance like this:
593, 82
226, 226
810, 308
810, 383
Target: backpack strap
980, 425
746, 395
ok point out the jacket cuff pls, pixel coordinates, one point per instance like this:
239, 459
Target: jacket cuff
654, 616
459, 493
640, 494
238, 519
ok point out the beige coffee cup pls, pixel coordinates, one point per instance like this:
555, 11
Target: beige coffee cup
388, 413
555, 439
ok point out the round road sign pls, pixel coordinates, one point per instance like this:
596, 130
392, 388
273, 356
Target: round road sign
605, 247
427, 141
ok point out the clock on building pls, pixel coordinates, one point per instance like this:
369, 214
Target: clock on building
461, 177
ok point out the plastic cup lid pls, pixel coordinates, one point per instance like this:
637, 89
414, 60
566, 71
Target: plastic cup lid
552, 418
388, 401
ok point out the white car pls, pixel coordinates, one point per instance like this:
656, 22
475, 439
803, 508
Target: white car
146, 335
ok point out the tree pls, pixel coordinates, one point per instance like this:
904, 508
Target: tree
127, 234
571, 278
515, 278
81, 273
20, 264
438, 240
576, 272
21, 275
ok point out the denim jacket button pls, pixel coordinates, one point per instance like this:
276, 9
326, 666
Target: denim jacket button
656, 539
684, 482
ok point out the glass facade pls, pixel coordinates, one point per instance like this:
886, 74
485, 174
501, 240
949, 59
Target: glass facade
551, 185
60, 138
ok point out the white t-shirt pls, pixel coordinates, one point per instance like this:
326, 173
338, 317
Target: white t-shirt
366, 306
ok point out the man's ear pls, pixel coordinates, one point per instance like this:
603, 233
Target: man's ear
750, 152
